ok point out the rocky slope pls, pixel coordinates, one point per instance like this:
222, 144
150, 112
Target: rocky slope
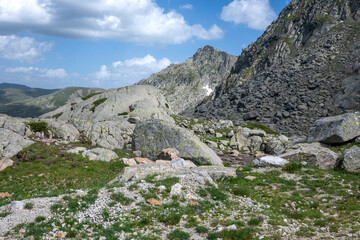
186, 84
304, 67
34, 107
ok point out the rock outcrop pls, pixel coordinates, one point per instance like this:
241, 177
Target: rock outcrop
186, 84
152, 136
11, 143
336, 129
303, 68
351, 161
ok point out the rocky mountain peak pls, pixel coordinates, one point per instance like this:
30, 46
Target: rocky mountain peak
186, 84
297, 72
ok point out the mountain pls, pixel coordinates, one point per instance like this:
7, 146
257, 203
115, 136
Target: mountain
186, 84
13, 94
13, 85
305, 66
34, 107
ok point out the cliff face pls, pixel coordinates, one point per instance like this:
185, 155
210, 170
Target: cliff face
186, 84
304, 67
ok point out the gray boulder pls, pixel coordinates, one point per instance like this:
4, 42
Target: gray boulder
272, 161
275, 146
118, 104
11, 143
65, 131
336, 129
100, 154
314, 154
16, 125
152, 136
352, 159
107, 134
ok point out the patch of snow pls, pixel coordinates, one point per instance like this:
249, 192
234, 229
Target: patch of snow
208, 89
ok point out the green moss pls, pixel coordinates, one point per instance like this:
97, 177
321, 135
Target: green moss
90, 95
255, 125
97, 103
123, 114
57, 115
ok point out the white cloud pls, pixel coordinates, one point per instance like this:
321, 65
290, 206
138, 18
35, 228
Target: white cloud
33, 72
256, 14
141, 21
22, 48
187, 6
128, 72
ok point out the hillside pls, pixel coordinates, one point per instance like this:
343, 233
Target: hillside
8, 95
34, 107
186, 84
304, 67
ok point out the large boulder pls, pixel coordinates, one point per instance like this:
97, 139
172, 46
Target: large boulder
152, 136
65, 131
16, 125
117, 104
336, 129
100, 154
351, 161
107, 134
11, 143
313, 154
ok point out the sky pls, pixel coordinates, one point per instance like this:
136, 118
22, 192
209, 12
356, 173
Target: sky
115, 43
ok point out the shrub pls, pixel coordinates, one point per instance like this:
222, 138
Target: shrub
90, 95
38, 126
97, 103
29, 206
57, 115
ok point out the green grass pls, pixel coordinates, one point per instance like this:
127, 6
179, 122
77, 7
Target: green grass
97, 103
90, 95
120, 197
178, 234
255, 125
42, 170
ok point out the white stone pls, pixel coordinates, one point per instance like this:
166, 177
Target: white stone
271, 161
176, 189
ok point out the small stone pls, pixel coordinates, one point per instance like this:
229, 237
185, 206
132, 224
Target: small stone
162, 188
4, 194
77, 150
5, 162
251, 178
169, 154
232, 227
176, 189
234, 153
143, 160
153, 202
162, 161
271, 161
180, 163
218, 135
22, 231
137, 153
194, 204
191, 196
129, 161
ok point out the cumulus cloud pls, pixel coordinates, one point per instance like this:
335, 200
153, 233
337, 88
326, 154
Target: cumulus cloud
22, 48
141, 21
256, 14
127, 72
187, 6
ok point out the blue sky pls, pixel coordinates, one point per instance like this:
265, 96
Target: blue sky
115, 43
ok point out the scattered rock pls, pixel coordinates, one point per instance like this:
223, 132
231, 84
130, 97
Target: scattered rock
336, 129
194, 204
77, 150
181, 163
5, 162
351, 161
271, 161
11, 143
100, 154
251, 178
168, 154
153, 202
143, 160
16, 206
4, 194
61, 234
129, 161
65, 131
314, 154
176, 189
152, 136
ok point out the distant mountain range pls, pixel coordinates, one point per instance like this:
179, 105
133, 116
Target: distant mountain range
22, 101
